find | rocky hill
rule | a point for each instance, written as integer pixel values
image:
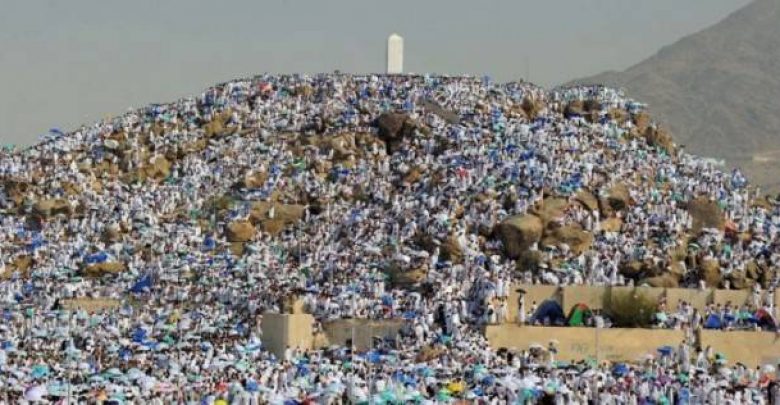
(717, 90)
(335, 179)
(423, 198)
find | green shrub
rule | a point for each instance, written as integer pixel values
(630, 309)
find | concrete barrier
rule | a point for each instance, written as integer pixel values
(287, 330)
(361, 331)
(533, 293)
(699, 299)
(735, 297)
(593, 297)
(575, 344)
(750, 348)
(90, 304)
(654, 294)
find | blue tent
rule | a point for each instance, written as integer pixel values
(139, 335)
(97, 258)
(713, 322)
(665, 350)
(209, 243)
(144, 283)
(620, 369)
(551, 311)
(373, 357)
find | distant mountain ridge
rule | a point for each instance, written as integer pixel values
(718, 90)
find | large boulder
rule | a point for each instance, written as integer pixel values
(706, 214)
(342, 146)
(52, 207)
(255, 179)
(304, 91)
(530, 260)
(738, 280)
(21, 264)
(273, 217)
(393, 128)
(532, 108)
(239, 231)
(588, 109)
(451, 250)
(414, 175)
(632, 269)
(16, 190)
(518, 233)
(677, 269)
(659, 137)
(574, 108)
(70, 188)
(587, 199)
(551, 209)
(618, 115)
(401, 278)
(613, 224)
(322, 167)
(641, 121)
(102, 269)
(754, 271)
(112, 233)
(709, 271)
(429, 353)
(762, 202)
(618, 197)
(218, 126)
(159, 168)
(662, 281)
(574, 237)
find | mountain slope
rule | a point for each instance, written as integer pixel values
(718, 90)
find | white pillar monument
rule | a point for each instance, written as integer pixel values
(395, 54)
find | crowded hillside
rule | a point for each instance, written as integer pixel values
(417, 197)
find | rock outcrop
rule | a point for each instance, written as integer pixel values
(518, 233)
(239, 231)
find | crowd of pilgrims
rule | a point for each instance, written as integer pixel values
(188, 324)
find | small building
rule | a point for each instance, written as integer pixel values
(395, 54)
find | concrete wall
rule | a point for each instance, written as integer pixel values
(750, 348)
(736, 297)
(576, 344)
(533, 293)
(282, 330)
(594, 296)
(590, 296)
(361, 330)
(655, 294)
(697, 298)
(90, 304)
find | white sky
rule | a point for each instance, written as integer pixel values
(63, 63)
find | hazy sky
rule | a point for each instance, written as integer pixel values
(63, 63)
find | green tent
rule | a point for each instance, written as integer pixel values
(579, 315)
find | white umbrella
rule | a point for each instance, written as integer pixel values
(135, 374)
(529, 382)
(111, 143)
(509, 382)
(35, 393)
(146, 383)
